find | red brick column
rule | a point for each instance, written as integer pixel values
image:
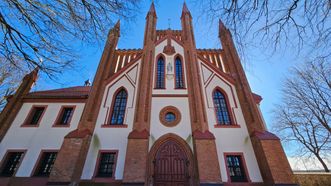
(203, 140)
(70, 160)
(15, 103)
(137, 147)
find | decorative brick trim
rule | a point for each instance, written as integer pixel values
(120, 72)
(79, 133)
(59, 115)
(170, 109)
(218, 71)
(139, 134)
(197, 134)
(30, 115)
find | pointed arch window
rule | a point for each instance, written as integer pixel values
(160, 73)
(118, 108)
(221, 108)
(179, 73)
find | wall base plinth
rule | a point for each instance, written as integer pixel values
(135, 161)
(274, 166)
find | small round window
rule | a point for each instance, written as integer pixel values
(170, 116)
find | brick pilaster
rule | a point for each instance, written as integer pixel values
(137, 147)
(203, 139)
(70, 160)
(15, 103)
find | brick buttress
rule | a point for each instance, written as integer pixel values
(203, 140)
(272, 161)
(137, 147)
(70, 160)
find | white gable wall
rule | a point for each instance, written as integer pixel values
(183, 128)
(113, 138)
(229, 140)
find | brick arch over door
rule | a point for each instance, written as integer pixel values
(178, 142)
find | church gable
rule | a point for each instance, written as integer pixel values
(169, 66)
(152, 115)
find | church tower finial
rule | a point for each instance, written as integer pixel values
(115, 31)
(151, 10)
(185, 10)
(150, 28)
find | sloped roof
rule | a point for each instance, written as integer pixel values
(70, 92)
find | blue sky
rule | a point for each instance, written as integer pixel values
(265, 73)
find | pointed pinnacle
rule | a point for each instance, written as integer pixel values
(221, 24)
(152, 7)
(117, 25)
(151, 10)
(115, 29)
(185, 9)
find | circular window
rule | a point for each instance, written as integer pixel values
(170, 116)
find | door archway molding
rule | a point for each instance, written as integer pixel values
(184, 146)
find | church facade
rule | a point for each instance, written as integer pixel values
(167, 114)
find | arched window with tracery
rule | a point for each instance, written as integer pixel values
(179, 73)
(160, 73)
(118, 107)
(221, 108)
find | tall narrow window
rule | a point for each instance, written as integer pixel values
(236, 169)
(221, 108)
(45, 164)
(119, 106)
(179, 74)
(107, 163)
(160, 73)
(11, 163)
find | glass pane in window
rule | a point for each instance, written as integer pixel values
(11, 163)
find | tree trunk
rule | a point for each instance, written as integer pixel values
(322, 162)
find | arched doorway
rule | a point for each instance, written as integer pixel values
(171, 163)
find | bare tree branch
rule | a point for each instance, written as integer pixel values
(304, 115)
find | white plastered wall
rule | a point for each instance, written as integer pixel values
(228, 140)
(35, 139)
(183, 128)
(170, 76)
(113, 138)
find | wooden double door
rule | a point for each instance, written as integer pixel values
(171, 165)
